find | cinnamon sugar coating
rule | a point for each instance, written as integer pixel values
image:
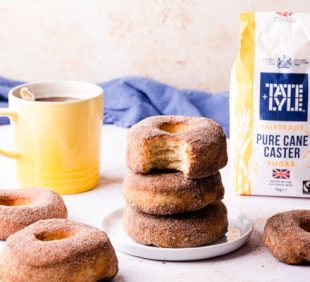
(58, 250)
(195, 146)
(185, 230)
(287, 236)
(170, 193)
(22, 207)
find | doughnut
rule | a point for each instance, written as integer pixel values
(170, 193)
(287, 236)
(183, 230)
(58, 250)
(195, 146)
(22, 207)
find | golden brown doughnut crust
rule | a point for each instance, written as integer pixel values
(58, 250)
(191, 229)
(170, 193)
(22, 207)
(194, 145)
(287, 236)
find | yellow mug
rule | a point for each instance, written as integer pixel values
(58, 135)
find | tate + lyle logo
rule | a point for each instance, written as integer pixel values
(284, 96)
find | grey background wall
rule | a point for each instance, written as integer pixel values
(187, 43)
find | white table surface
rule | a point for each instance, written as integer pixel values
(252, 262)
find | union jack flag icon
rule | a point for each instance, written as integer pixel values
(281, 173)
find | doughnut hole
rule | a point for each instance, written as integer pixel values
(10, 201)
(174, 127)
(53, 236)
(168, 154)
(305, 226)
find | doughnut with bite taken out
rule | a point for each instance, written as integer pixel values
(195, 146)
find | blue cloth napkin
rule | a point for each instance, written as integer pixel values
(128, 100)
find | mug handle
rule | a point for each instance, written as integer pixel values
(13, 115)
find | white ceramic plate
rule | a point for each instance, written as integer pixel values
(239, 230)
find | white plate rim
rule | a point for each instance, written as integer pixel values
(230, 246)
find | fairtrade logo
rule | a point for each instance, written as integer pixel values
(284, 96)
(306, 187)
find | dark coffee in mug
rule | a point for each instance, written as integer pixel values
(56, 99)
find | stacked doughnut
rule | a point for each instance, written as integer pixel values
(173, 187)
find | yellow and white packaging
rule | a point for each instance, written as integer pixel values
(269, 106)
